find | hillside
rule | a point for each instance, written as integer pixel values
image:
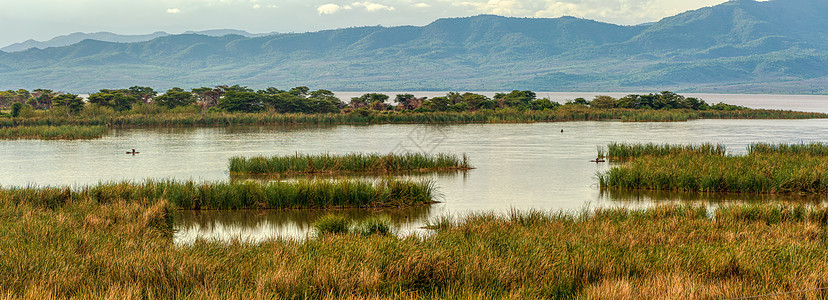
(778, 46)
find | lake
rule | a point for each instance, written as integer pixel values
(518, 166)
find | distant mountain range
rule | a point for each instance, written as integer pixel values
(741, 46)
(77, 37)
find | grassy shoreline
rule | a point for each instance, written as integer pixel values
(354, 163)
(123, 249)
(482, 116)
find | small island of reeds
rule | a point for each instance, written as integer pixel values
(765, 169)
(624, 151)
(45, 132)
(301, 194)
(370, 163)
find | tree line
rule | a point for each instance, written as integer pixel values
(301, 99)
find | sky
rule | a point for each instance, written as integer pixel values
(44, 19)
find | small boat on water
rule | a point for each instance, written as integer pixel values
(133, 152)
(598, 160)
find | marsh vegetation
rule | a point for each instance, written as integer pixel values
(121, 248)
(765, 169)
(189, 195)
(348, 163)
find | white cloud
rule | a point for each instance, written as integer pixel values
(173, 10)
(330, 8)
(422, 5)
(370, 6)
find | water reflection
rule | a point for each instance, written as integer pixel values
(259, 225)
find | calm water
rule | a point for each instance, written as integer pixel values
(518, 166)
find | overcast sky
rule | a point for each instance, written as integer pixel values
(45, 19)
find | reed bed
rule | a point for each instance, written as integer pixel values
(816, 149)
(122, 249)
(303, 194)
(693, 172)
(628, 151)
(483, 116)
(46, 132)
(348, 163)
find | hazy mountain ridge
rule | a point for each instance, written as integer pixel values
(738, 46)
(77, 37)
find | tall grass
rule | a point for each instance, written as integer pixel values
(122, 249)
(629, 151)
(756, 173)
(46, 132)
(240, 195)
(348, 163)
(818, 149)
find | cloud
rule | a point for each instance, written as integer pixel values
(173, 10)
(370, 6)
(422, 5)
(330, 8)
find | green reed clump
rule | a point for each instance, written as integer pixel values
(240, 195)
(818, 149)
(628, 151)
(757, 173)
(381, 226)
(338, 224)
(348, 163)
(332, 224)
(53, 132)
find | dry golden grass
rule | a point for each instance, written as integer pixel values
(123, 249)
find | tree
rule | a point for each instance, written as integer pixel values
(175, 97)
(300, 91)
(119, 100)
(15, 109)
(142, 93)
(207, 97)
(366, 99)
(437, 104)
(42, 99)
(477, 101)
(408, 102)
(243, 101)
(71, 103)
(516, 99)
(235, 88)
(542, 104)
(602, 102)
